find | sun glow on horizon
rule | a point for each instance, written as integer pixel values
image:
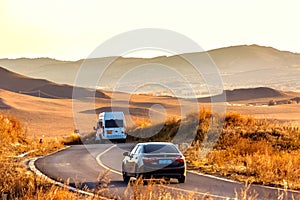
(70, 30)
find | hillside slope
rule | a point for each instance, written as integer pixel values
(248, 94)
(40, 117)
(39, 87)
(253, 93)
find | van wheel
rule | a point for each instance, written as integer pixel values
(100, 141)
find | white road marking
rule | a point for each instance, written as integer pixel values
(32, 167)
(50, 180)
(232, 181)
(104, 166)
(211, 176)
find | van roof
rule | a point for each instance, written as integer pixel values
(112, 115)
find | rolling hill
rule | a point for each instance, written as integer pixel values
(17, 83)
(250, 94)
(245, 66)
(39, 87)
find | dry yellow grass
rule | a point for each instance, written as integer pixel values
(156, 190)
(16, 182)
(141, 190)
(255, 151)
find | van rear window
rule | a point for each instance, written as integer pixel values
(114, 123)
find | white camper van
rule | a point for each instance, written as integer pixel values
(111, 126)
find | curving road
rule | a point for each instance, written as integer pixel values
(80, 166)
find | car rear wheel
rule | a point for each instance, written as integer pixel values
(138, 173)
(181, 179)
(125, 177)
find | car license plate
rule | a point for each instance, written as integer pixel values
(165, 162)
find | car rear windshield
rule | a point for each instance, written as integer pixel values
(160, 148)
(113, 123)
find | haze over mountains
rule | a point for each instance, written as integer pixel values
(240, 67)
(53, 114)
(21, 84)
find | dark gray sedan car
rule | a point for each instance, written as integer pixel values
(154, 160)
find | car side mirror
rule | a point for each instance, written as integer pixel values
(126, 153)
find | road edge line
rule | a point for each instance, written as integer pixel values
(233, 181)
(212, 176)
(32, 167)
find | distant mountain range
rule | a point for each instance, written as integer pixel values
(17, 83)
(239, 66)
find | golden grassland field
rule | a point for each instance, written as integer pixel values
(250, 150)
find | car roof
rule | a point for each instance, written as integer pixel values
(146, 143)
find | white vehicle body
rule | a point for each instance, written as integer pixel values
(111, 126)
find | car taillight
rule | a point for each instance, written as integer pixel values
(147, 160)
(179, 159)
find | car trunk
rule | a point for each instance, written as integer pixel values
(162, 161)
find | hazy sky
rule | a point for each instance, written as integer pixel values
(71, 30)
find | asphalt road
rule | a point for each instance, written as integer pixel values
(81, 165)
